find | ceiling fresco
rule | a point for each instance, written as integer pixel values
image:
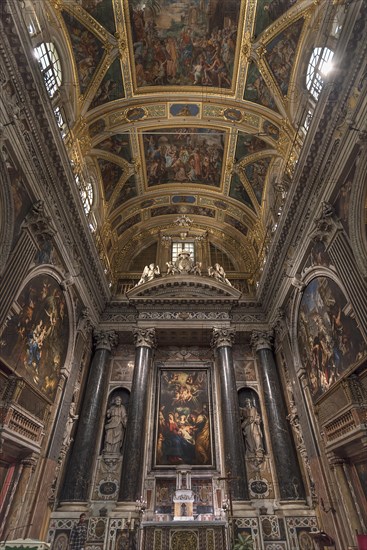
(184, 43)
(183, 107)
(185, 155)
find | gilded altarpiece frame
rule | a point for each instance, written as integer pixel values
(183, 434)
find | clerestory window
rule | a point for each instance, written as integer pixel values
(181, 246)
(49, 62)
(318, 68)
(86, 193)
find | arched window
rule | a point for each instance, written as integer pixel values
(86, 193)
(48, 59)
(318, 68)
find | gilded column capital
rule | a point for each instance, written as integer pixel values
(144, 337)
(222, 337)
(105, 339)
(262, 340)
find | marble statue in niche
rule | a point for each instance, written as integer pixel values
(251, 428)
(115, 427)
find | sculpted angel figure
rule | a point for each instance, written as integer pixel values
(218, 273)
(149, 273)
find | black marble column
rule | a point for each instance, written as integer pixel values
(284, 453)
(234, 450)
(80, 465)
(133, 456)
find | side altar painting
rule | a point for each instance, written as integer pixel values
(35, 341)
(329, 340)
(183, 434)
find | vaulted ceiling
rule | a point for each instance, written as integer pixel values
(184, 107)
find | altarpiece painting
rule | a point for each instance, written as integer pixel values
(184, 430)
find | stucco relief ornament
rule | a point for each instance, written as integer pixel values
(222, 337)
(183, 265)
(105, 339)
(39, 222)
(326, 224)
(184, 221)
(262, 340)
(85, 324)
(144, 337)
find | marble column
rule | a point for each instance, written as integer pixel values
(234, 450)
(133, 455)
(80, 465)
(284, 453)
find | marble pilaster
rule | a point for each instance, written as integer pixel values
(346, 498)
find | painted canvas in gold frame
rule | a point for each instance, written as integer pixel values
(183, 434)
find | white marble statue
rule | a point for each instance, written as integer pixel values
(149, 273)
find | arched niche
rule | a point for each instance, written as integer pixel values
(124, 395)
(246, 394)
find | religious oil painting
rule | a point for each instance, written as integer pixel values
(188, 43)
(184, 427)
(35, 341)
(185, 155)
(329, 340)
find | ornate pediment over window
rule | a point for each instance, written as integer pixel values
(184, 289)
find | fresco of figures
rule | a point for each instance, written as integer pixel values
(87, 49)
(35, 341)
(188, 43)
(189, 155)
(329, 340)
(183, 430)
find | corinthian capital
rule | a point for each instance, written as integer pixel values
(144, 337)
(105, 339)
(262, 340)
(222, 337)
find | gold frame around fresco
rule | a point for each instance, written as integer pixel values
(169, 128)
(167, 89)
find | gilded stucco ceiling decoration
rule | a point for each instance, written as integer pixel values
(185, 107)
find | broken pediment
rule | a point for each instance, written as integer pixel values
(185, 289)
